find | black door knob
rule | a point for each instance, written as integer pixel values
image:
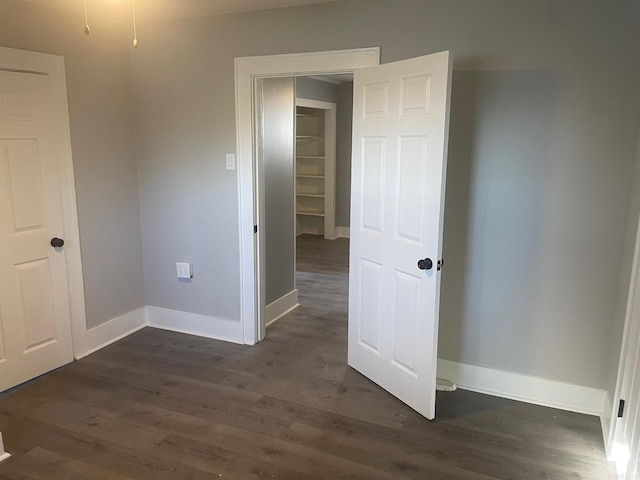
(57, 242)
(425, 264)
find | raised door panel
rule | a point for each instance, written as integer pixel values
(24, 184)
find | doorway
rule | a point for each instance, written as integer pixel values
(303, 178)
(248, 70)
(296, 165)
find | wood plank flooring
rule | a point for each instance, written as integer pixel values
(162, 405)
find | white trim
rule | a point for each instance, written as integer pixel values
(176, 321)
(606, 422)
(330, 126)
(626, 366)
(280, 307)
(343, 232)
(53, 66)
(194, 324)
(3, 455)
(524, 388)
(112, 331)
(247, 69)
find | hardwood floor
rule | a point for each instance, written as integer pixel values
(162, 405)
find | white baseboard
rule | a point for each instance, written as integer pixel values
(112, 331)
(194, 324)
(278, 309)
(524, 388)
(3, 455)
(606, 422)
(343, 232)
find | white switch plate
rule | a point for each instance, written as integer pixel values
(184, 270)
(231, 161)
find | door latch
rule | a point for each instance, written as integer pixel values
(440, 264)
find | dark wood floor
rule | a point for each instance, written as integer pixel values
(161, 405)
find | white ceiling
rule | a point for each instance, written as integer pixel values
(159, 10)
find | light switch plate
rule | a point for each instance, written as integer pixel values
(231, 161)
(184, 270)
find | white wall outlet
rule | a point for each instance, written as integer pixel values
(185, 270)
(231, 161)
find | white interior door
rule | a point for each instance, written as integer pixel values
(35, 327)
(400, 130)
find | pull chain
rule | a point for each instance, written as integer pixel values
(87, 30)
(135, 32)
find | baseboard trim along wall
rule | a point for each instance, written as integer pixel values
(3, 455)
(278, 309)
(343, 232)
(515, 386)
(112, 331)
(524, 388)
(194, 324)
(606, 422)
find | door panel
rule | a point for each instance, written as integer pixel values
(399, 164)
(35, 327)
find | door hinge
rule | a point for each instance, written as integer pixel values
(621, 408)
(255, 229)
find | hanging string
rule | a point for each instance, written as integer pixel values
(87, 30)
(135, 32)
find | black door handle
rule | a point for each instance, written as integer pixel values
(57, 242)
(425, 264)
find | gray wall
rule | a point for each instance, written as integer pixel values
(543, 137)
(275, 152)
(343, 154)
(102, 141)
(313, 89)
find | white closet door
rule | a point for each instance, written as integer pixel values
(35, 327)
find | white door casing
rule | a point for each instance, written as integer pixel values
(623, 438)
(40, 287)
(247, 70)
(400, 132)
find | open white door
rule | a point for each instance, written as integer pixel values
(35, 326)
(400, 131)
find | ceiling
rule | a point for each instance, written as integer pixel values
(160, 10)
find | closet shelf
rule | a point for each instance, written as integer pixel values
(302, 139)
(310, 213)
(312, 195)
(309, 176)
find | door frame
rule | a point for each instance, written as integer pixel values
(627, 372)
(612, 426)
(23, 61)
(247, 69)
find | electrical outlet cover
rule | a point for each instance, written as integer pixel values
(184, 270)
